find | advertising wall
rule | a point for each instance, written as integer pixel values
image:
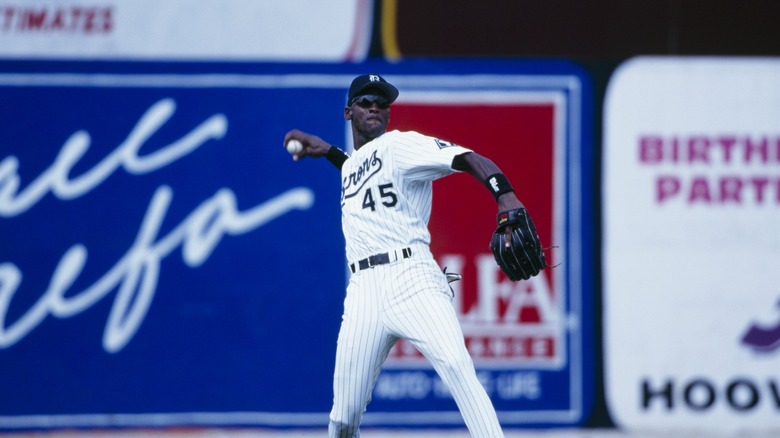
(312, 30)
(154, 233)
(691, 246)
(163, 261)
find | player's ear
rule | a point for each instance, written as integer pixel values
(347, 113)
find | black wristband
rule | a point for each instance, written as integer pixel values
(336, 156)
(498, 185)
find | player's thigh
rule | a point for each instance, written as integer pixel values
(423, 313)
(362, 340)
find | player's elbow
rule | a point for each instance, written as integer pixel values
(459, 162)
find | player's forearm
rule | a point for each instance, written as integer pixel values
(489, 174)
(314, 146)
(336, 156)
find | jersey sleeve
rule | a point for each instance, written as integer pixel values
(421, 157)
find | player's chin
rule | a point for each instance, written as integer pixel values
(374, 129)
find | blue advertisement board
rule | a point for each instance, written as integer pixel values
(164, 261)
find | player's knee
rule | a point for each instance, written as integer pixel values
(455, 360)
(455, 368)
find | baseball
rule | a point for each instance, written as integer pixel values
(294, 146)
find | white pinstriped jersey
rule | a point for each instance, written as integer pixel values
(386, 189)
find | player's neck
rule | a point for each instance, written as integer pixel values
(358, 139)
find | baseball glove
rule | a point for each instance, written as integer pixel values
(524, 257)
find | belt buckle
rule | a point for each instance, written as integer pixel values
(381, 259)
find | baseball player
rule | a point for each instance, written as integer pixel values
(396, 289)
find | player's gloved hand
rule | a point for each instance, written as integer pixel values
(515, 245)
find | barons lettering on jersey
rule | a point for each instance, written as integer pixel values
(352, 183)
(444, 144)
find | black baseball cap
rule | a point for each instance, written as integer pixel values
(363, 83)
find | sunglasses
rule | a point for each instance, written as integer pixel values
(367, 100)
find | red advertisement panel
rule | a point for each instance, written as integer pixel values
(505, 323)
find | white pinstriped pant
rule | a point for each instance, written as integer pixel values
(410, 300)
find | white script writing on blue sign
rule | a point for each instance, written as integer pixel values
(135, 275)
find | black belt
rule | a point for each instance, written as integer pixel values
(380, 259)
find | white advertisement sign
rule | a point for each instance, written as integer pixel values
(691, 250)
(291, 30)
